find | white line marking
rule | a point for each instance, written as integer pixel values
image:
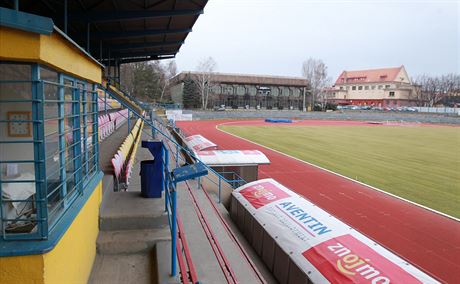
(337, 174)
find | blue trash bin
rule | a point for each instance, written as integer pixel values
(152, 171)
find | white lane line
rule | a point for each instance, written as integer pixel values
(342, 176)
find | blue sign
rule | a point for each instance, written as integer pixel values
(189, 172)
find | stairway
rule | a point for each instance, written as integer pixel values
(133, 230)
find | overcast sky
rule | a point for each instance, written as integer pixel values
(274, 37)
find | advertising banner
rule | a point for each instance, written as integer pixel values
(198, 143)
(323, 247)
(233, 157)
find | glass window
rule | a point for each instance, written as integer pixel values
(353, 88)
(392, 94)
(17, 166)
(70, 128)
(366, 87)
(360, 88)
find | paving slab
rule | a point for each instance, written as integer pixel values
(122, 269)
(129, 211)
(131, 241)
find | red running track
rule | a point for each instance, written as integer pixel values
(428, 240)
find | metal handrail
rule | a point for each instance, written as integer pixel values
(157, 126)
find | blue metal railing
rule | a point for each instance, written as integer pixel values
(52, 186)
(157, 127)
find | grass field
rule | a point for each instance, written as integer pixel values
(421, 164)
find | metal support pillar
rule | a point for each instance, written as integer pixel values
(173, 231)
(153, 128)
(87, 36)
(100, 50)
(16, 5)
(177, 155)
(220, 188)
(65, 16)
(39, 152)
(105, 101)
(119, 75)
(129, 121)
(109, 73)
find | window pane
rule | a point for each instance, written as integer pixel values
(48, 75)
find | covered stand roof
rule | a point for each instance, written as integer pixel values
(124, 31)
(233, 157)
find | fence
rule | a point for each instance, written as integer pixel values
(444, 110)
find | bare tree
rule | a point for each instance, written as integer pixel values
(430, 90)
(315, 72)
(169, 71)
(322, 94)
(419, 94)
(204, 79)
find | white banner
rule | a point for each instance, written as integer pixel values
(319, 243)
(232, 157)
(198, 143)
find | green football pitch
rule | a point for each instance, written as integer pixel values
(418, 163)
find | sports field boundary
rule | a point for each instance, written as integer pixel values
(337, 174)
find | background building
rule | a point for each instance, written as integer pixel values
(250, 91)
(386, 87)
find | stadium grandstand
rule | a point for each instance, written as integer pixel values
(72, 142)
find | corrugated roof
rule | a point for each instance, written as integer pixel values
(130, 31)
(369, 76)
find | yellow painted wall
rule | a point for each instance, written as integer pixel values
(18, 45)
(72, 258)
(21, 269)
(53, 50)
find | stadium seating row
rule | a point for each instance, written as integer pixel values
(111, 103)
(123, 160)
(108, 123)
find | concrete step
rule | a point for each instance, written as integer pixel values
(162, 264)
(130, 211)
(123, 268)
(130, 241)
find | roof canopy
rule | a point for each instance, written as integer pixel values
(125, 31)
(232, 157)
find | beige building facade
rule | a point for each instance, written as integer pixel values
(385, 87)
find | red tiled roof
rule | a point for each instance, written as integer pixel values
(367, 76)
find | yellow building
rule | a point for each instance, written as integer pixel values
(385, 87)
